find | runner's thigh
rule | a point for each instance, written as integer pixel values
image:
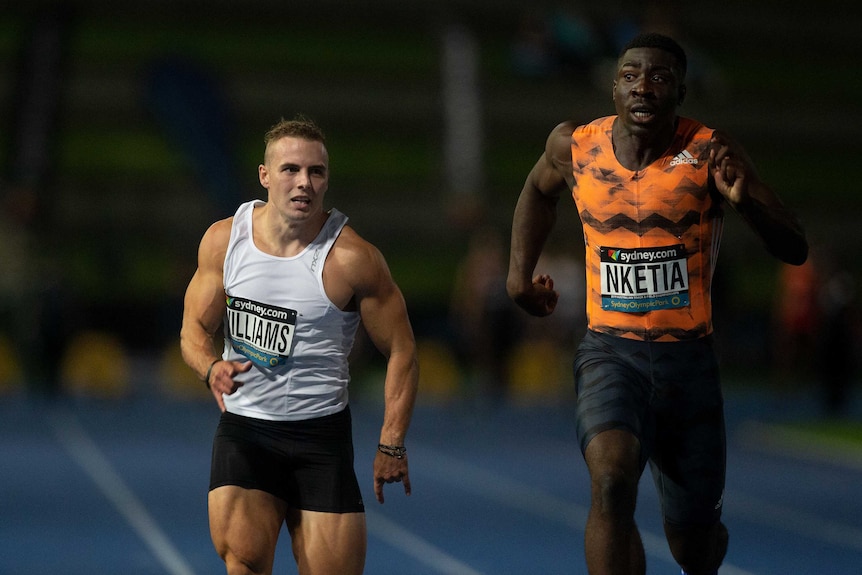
(328, 543)
(244, 525)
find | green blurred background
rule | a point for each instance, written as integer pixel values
(128, 127)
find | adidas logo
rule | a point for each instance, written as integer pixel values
(684, 157)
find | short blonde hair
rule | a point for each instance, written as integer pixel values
(299, 127)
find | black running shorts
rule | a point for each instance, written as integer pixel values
(308, 464)
(667, 394)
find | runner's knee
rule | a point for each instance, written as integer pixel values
(245, 565)
(612, 458)
(698, 549)
(247, 557)
(614, 492)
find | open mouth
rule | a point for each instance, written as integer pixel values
(642, 113)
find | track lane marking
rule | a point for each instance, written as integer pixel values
(84, 451)
(523, 497)
(397, 536)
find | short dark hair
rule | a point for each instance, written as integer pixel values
(662, 42)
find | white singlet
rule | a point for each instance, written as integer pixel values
(279, 317)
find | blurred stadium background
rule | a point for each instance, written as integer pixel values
(129, 127)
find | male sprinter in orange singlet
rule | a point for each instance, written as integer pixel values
(650, 188)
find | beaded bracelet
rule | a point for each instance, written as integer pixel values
(396, 451)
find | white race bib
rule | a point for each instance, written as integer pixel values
(263, 333)
(639, 280)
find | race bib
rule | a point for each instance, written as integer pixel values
(262, 333)
(644, 279)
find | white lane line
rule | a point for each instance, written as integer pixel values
(413, 545)
(799, 445)
(523, 497)
(807, 525)
(87, 455)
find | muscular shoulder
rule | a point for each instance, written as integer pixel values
(357, 263)
(552, 174)
(214, 243)
(559, 141)
(355, 253)
(690, 127)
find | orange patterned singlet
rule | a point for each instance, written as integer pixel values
(651, 236)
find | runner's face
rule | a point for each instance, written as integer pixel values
(296, 174)
(647, 89)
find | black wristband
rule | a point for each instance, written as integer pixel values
(209, 372)
(396, 451)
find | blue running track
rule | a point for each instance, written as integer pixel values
(91, 487)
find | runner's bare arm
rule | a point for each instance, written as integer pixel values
(535, 216)
(384, 316)
(203, 312)
(735, 177)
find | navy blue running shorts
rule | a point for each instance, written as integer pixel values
(668, 394)
(308, 464)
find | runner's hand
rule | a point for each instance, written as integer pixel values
(388, 469)
(222, 379)
(541, 298)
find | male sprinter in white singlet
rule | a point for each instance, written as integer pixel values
(291, 283)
